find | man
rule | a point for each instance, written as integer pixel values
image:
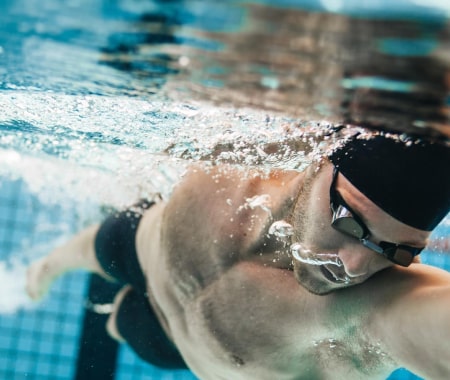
(225, 277)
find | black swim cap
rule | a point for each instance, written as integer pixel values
(410, 181)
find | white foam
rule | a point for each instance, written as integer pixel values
(12, 290)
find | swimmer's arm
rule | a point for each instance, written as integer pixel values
(77, 253)
(415, 326)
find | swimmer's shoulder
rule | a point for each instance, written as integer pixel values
(416, 276)
(225, 185)
(223, 211)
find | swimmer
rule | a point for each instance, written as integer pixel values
(286, 275)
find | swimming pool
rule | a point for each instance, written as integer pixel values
(96, 93)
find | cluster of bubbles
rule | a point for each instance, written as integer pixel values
(67, 141)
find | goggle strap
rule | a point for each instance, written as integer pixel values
(374, 247)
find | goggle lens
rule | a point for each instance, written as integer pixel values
(399, 254)
(349, 226)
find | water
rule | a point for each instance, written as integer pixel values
(281, 229)
(119, 88)
(311, 257)
(106, 101)
(115, 89)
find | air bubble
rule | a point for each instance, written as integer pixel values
(281, 228)
(308, 256)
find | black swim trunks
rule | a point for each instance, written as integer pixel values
(136, 322)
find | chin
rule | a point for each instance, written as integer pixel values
(318, 291)
(311, 279)
(311, 283)
(322, 288)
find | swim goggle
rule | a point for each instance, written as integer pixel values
(346, 221)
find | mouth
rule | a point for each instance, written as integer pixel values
(333, 277)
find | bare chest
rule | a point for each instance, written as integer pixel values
(248, 354)
(239, 328)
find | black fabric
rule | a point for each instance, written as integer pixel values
(410, 181)
(97, 351)
(137, 323)
(115, 246)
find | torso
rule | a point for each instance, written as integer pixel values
(227, 297)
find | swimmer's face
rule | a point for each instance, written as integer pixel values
(348, 262)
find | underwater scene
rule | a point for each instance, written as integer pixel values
(105, 102)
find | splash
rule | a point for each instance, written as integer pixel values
(12, 294)
(13, 269)
(263, 201)
(98, 126)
